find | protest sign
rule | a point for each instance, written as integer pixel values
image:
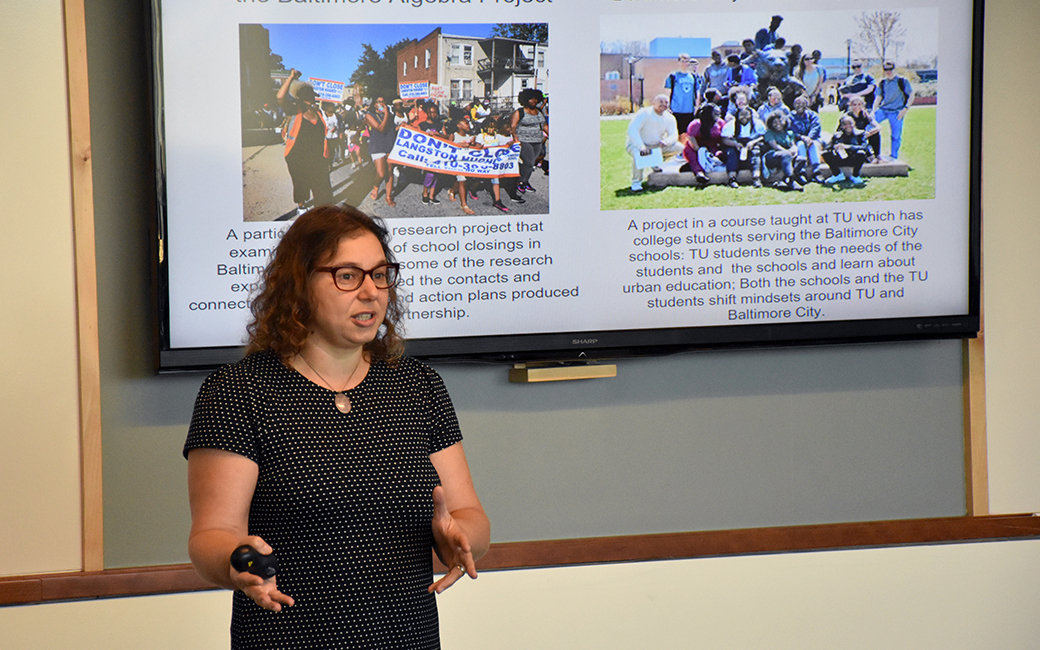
(417, 149)
(417, 90)
(327, 91)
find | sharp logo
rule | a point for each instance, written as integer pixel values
(584, 341)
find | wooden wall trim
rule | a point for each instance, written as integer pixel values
(976, 464)
(86, 286)
(21, 590)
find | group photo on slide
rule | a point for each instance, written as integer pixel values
(760, 109)
(331, 113)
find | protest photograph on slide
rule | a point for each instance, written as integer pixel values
(760, 109)
(399, 120)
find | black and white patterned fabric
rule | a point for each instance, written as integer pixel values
(344, 499)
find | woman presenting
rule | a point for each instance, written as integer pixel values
(328, 448)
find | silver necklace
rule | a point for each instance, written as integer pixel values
(341, 399)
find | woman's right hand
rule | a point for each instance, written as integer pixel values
(264, 593)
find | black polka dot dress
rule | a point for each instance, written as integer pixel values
(344, 499)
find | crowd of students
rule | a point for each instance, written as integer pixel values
(367, 133)
(759, 112)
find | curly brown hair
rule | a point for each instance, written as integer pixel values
(283, 309)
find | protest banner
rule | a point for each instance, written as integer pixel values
(326, 90)
(417, 90)
(417, 149)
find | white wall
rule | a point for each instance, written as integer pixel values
(39, 403)
(1011, 261)
(954, 596)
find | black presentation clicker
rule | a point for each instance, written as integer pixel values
(247, 559)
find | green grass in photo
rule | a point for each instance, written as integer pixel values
(918, 150)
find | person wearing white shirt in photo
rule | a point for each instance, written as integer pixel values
(653, 127)
(331, 133)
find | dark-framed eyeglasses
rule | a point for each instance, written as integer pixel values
(350, 278)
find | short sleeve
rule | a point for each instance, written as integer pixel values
(445, 430)
(224, 415)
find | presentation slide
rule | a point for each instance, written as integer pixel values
(674, 164)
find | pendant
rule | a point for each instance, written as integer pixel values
(342, 403)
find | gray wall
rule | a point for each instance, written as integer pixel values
(700, 441)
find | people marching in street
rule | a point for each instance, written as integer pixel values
(351, 122)
(531, 130)
(382, 133)
(490, 137)
(463, 137)
(306, 149)
(331, 133)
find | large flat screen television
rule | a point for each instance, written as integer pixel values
(853, 217)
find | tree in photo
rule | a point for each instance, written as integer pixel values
(880, 34)
(377, 73)
(633, 48)
(537, 32)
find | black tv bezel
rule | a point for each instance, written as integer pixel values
(580, 346)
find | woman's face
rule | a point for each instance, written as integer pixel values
(856, 105)
(349, 319)
(847, 125)
(775, 98)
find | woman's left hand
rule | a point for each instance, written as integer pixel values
(451, 544)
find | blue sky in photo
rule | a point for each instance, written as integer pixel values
(331, 52)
